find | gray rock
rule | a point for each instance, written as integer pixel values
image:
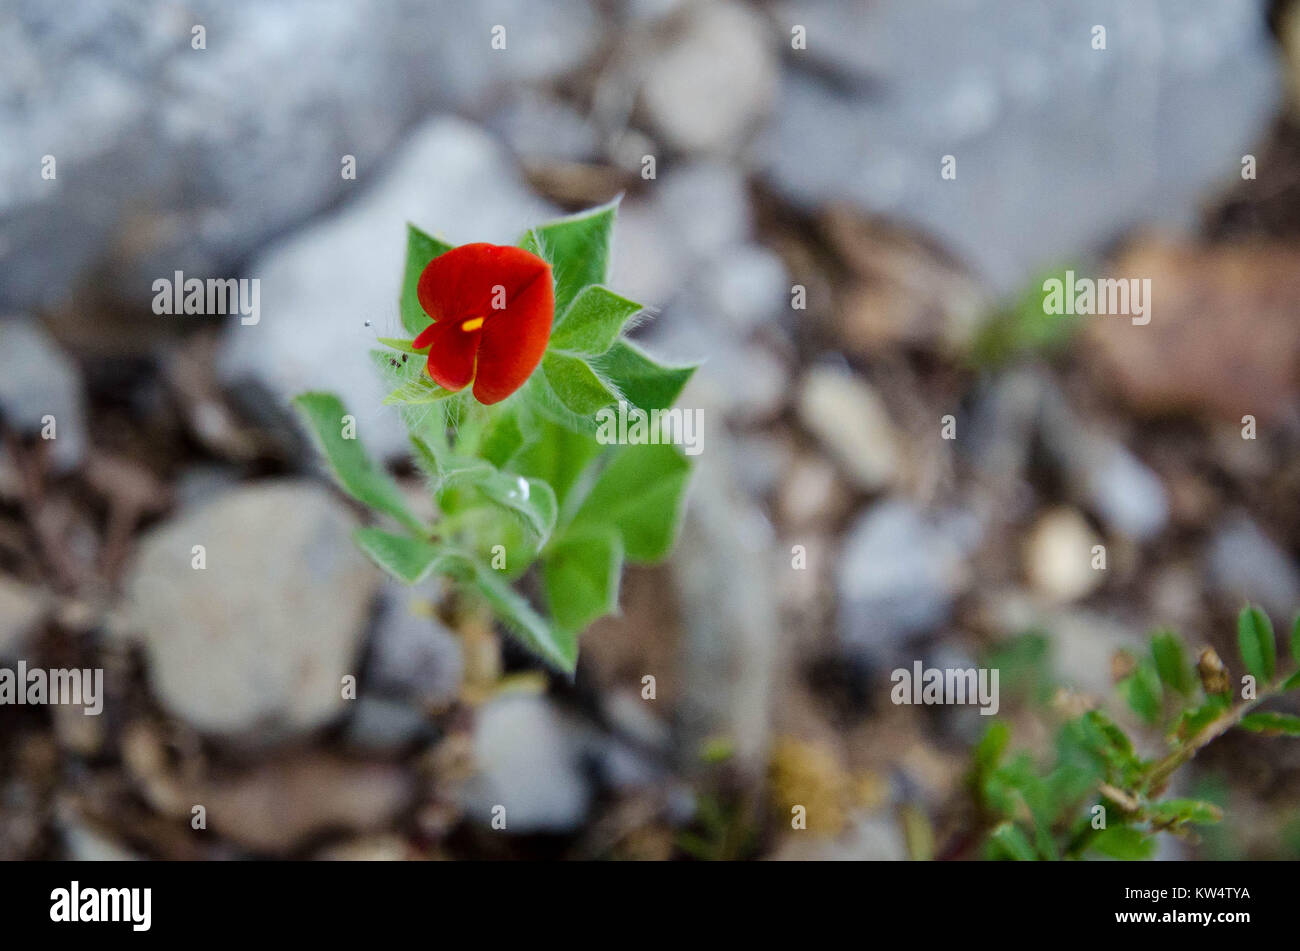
(260, 639)
(899, 572)
(1125, 494)
(712, 85)
(851, 421)
(706, 205)
(1243, 563)
(320, 286)
(725, 572)
(412, 655)
(171, 157)
(540, 128)
(1101, 472)
(384, 726)
(38, 379)
(1032, 114)
(746, 287)
(528, 759)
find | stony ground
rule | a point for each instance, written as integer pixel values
(774, 168)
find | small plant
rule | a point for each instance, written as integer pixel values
(512, 355)
(1100, 796)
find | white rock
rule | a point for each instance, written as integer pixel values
(1058, 556)
(259, 639)
(851, 421)
(711, 86)
(528, 761)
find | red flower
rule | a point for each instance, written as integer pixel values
(492, 308)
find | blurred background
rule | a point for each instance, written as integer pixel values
(798, 235)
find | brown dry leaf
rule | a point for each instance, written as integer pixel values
(1222, 337)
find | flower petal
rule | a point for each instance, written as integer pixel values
(467, 281)
(514, 340)
(453, 353)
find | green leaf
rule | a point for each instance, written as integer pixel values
(409, 560)
(532, 500)
(640, 493)
(421, 248)
(1194, 721)
(1295, 638)
(417, 392)
(582, 577)
(503, 437)
(1013, 843)
(1292, 682)
(405, 346)
(1177, 811)
(577, 248)
(645, 382)
(557, 455)
(1255, 640)
(556, 646)
(1124, 842)
(991, 747)
(1171, 662)
(576, 385)
(1141, 690)
(593, 322)
(411, 385)
(358, 475)
(1274, 723)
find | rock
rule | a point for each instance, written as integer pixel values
(898, 574)
(648, 263)
(1058, 556)
(275, 807)
(385, 726)
(1098, 470)
(258, 641)
(1127, 496)
(1244, 564)
(709, 89)
(21, 608)
(813, 495)
(412, 654)
(528, 759)
(140, 122)
(539, 128)
(747, 287)
(851, 421)
(1221, 339)
(706, 206)
(320, 286)
(866, 117)
(725, 573)
(37, 380)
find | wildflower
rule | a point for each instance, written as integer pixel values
(492, 308)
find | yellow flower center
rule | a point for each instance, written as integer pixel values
(472, 324)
